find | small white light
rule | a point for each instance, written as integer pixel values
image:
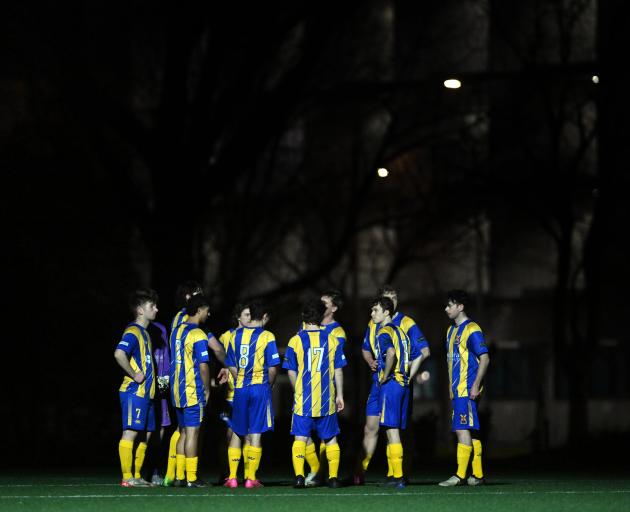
(382, 172)
(595, 79)
(452, 83)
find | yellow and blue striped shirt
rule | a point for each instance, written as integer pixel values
(314, 355)
(189, 349)
(136, 343)
(464, 344)
(180, 317)
(336, 330)
(224, 339)
(252, 351)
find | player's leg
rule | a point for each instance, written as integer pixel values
(171, 465)
(461, 423)
(298, 450)
(395, 453)
(328, 430)
(313, 461)
(192, 459)
(370, 432)
(260, 418)
(239, 431)
(143, 440)
(180, 450)
(393, 412)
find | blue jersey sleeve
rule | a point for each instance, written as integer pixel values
(477, 343)
(128, 344)
(200, 349)
(415, 350)
(415, 335)
(366, 341)
(230, 357)
(272, 358)
(340, 358)
(290, 360)
(384, 342)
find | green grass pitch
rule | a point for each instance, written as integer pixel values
(507, 491)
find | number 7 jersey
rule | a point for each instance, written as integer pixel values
(252, 351)
(314, 355)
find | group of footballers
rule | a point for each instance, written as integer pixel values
(393, 348)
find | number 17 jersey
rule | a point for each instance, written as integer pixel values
(314, 355)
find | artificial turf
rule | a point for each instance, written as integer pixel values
(506, 491)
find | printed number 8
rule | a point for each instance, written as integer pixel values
(244, 359)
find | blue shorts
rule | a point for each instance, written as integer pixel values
(394, 405)
(326, 427)
(138, 413)
(190, 416)
(252, 412)
(464, 414)
(373, 407)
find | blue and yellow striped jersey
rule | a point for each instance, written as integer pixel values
(224, 339)
(464, 344)
(252, 351)
(408, 326)
(314, 355)
(392, 336)
(136, 343)
(178, 319)
(189, 349)
(336, 330)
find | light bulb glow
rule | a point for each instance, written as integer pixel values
(382, 172)
(452, 83)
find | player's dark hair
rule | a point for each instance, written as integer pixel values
(140, 296)
(335, 296)
(386, 304)
(313, 311)
(195, 303)
(238, 309)
(187, 288)
(386, 288)
(257, 309)
(458, 297)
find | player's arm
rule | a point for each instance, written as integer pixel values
(339, 385)
(369, 359)
(123, 361)
(484, 361)
(390, 358)
(217, 349)
(204, 372)
(292, 377)
(273, 372)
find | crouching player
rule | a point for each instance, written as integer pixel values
(314, 360)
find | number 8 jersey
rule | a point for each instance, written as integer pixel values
(252, 350)
(314, 355)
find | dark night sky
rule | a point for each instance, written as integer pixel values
(135, 135)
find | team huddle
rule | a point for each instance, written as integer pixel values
(393, 348)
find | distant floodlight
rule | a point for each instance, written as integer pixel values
(595, 79)
(452, 83)
(382, 172)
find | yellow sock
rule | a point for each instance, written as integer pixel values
(234, 458)
(463, 456)
(333, 454)
(396, 456)
(477, 470)
(366, 462)
(191, 468)
(322, 451)
(390, 470)
(246, 448)
(299, 453)
(125, 452)
(180, 466)
(255, 453)
(311, 457)
(141, 451)
(172, 456)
